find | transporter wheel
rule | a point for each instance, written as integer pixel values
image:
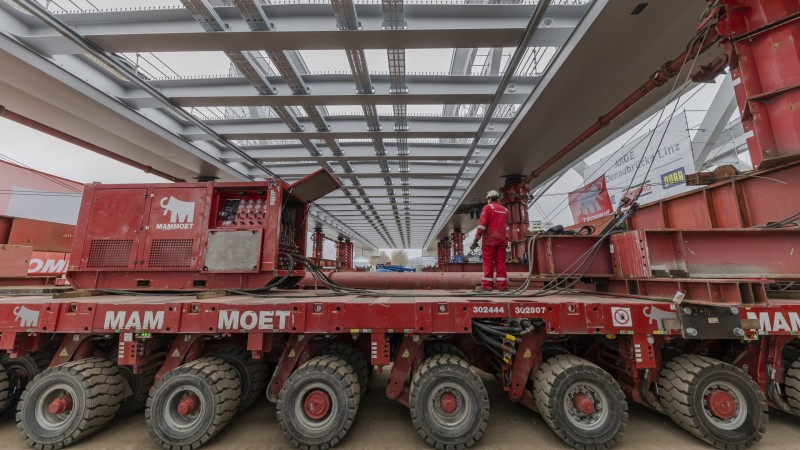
(254, 374)
(318, 403)
(192, 403)
(433, 348)
(448, 402)
(4, 390)
(355, 358)
(714, 401)
(581, 402)
(21, 370)
(791, 360)
(66, 403)
(140, 384)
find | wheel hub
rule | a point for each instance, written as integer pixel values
(448, 403)
(317, 404)
(60, 405)
(188, 405)
(721, 404)
(583, 403)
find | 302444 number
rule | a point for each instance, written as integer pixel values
(488, 309)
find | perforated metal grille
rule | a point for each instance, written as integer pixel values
(171, 253)
(109, 253)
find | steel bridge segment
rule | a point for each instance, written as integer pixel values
(392, 141)
(307, 27)
(527, 143)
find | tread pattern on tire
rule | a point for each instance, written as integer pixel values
(4, 387)
(102, 384)
(257, 373)
(440, 363)
(677, 388)
(37, 362)
(355, 357)
(224, 384)
(341, 370)
(545, 384)
(791, 360)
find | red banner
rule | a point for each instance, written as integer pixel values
(591, 201)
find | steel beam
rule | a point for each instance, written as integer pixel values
(300, 27)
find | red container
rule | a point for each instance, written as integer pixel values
(192, 235)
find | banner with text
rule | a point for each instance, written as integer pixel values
(591, 201)
(667, 177)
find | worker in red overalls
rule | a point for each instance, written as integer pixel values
(493, 228)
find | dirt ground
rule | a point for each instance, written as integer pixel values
(383, 424)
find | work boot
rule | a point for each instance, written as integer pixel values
(503, 289)
(482, 289)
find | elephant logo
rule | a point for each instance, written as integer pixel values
(180, 211)
(658, 315)
(26, 317)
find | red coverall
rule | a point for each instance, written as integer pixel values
(493, 228)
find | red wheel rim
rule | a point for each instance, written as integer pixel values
(188, 405)
(721, 404)
(448, 402)
(317, 404)
(60, 405)
(583, 403)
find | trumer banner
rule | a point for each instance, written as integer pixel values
(590, 202)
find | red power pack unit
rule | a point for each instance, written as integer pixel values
(213, 235)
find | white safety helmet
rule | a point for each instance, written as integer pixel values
(493, 194)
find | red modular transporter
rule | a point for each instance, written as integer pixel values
(193, 235)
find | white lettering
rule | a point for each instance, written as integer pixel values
(776, 321)
(249, 320)
(265, 319)
(228, 320)
(36, 265)
(114, 321)
(174, 226)
(153, 320)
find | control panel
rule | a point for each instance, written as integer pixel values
(239, 209)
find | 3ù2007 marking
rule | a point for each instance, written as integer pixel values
(526, 310)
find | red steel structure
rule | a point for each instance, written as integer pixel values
(688, 311)
(516, 198)
(457, 237)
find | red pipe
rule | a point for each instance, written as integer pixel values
(669, 70)
(30, 123)
(409, 280)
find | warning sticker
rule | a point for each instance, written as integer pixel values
(621, 317)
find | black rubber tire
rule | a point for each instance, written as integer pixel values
(333, 375)
(97, 394)
(4, 390)
(215, 383)
(21, 370)
(450, 372)
(434, 348)
(791, 361)
(560, 376)
(355, 358)
(254, 374)
(682, 385)
(140, 383)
